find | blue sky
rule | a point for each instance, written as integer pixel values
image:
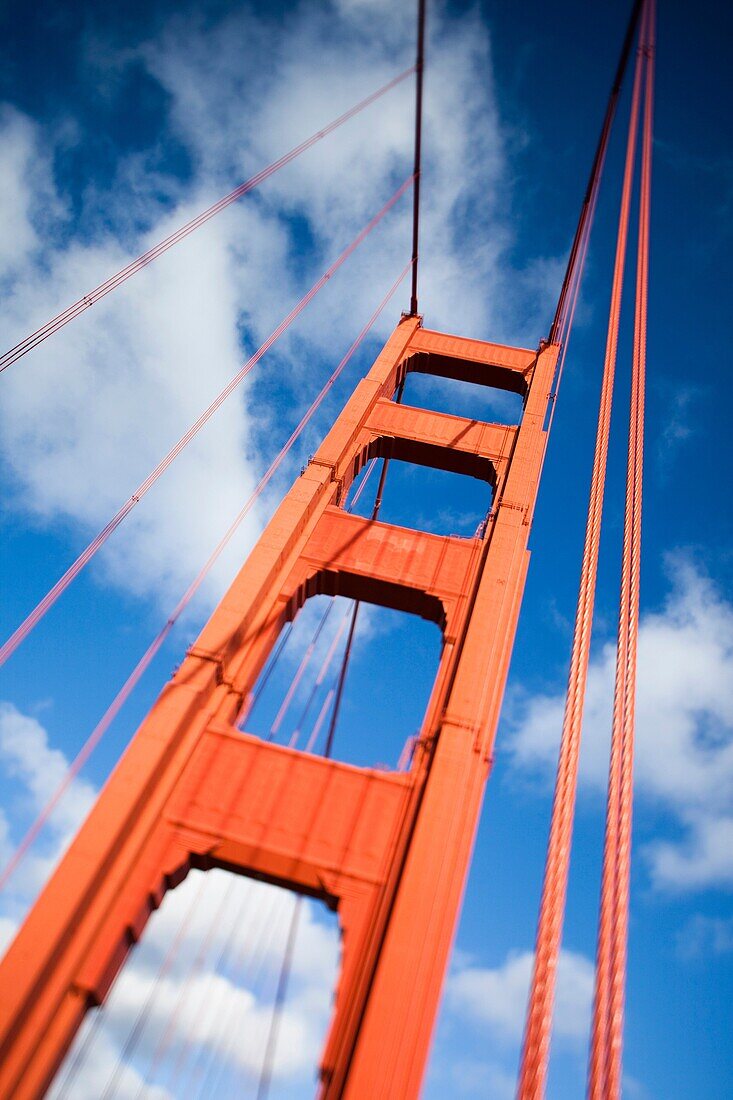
(118, 122)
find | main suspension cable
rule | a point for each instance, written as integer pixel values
(145, 661)
(91, 297)
(535, 1051)
(86, 556)
(604, 1076)
(595, 174)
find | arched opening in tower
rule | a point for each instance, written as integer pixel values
(192, 1012)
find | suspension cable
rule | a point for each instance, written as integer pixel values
(417, 171)
(252, 696)
(595, 173)
(73, 571)
(263, 1087)
(144, 1013)
(535, 1051)
(604, 1077)
(91, 297)
(145, 661)
(295, 682)
(199, 961)
(256, 965)
(242, 926)
(320, 719)
(322, 673)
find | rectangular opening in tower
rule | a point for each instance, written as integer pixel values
(423, 499)
(468, 399)
(391, 667)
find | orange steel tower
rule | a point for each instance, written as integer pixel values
(389, 851)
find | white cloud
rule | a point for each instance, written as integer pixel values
(29, 203)
(87, 414)
(31, 771)
(497, 997)
(684, 734)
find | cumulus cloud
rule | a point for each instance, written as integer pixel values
(497, 997)
(684, 738)
(87, 414)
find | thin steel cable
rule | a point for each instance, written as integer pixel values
(91, 297)
(245, 914)
(535, 1050)
(268, 1062)
(342, 679)
(85, 557)
(143, 1015)
(250, 951)
(300, 672)
(165, 1040)
(150, 653)
(417, 171)
(257, 965)
(605, 1065)
(79, 1057)
(595, 172)
(320, 720)
(253, 696)
(322, 673)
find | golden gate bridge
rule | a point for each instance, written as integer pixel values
(388, 850)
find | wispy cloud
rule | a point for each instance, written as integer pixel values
(496, 997)
(91, 411)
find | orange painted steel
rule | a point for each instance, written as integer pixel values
(538, 1027)
(389, 851)
(604, 1076)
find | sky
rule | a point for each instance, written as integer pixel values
(118, 122)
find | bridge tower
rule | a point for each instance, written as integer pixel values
(389, 851)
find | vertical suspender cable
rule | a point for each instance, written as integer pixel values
(535, 1051)
(604, 1075)
(419, 69)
